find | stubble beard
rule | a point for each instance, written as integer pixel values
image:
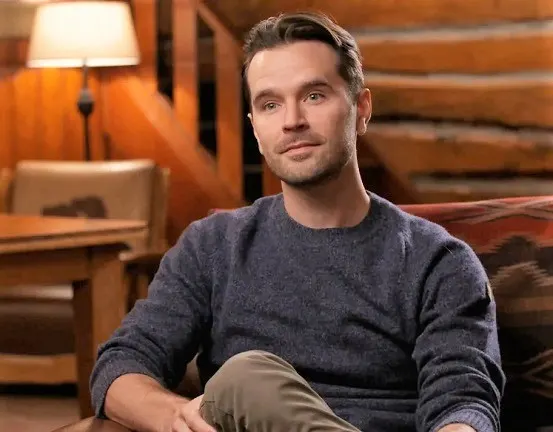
(326, 168)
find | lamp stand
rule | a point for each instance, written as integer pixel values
(86, 106)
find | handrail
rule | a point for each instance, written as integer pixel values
(218, 27)
(227, 61)
(228, 71)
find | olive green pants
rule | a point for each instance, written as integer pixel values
(256, 391)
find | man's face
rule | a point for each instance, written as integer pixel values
(303, 115)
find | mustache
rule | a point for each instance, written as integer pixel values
(294, 139)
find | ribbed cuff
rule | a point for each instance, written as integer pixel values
(104, 375)
(471, 417)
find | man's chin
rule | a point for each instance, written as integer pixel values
(306, 181)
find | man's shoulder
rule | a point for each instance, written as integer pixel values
(224, 223)
(419, 233)
(427, 244)
(222, 218)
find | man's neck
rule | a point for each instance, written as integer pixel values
(339, 202)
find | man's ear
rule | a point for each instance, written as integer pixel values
(364, 110)
(255, 133)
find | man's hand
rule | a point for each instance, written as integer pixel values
(457, 427)
(188, 418)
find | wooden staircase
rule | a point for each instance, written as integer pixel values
(462, 91)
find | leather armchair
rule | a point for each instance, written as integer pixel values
(37, 322)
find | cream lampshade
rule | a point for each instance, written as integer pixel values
(83, 34)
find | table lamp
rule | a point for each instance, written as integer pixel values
(83, 34)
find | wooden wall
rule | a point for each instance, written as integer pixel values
(462, 89)
(38, 110)
(372, 14)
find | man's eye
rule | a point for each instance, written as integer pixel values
(315, 97)
(269, 106)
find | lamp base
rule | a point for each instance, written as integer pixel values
(85, 104)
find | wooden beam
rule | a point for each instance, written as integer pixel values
(500, 48)
(489, 49)
(228, 87)
(230, 141)
(213, 20)
(409, 148)
(523, 99)
(435, 190)
(356, 14)
(145, 24)
(185, 66)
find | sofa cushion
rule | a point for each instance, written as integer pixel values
(514, 240)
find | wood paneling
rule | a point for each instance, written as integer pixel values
(515, 100)
(38, 114)
(418, 147)
(484, 50)
(352, 14)
(143, 124)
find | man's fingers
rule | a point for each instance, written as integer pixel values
(179, 425)
(197, 424)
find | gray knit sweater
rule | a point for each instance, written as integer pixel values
(390, 321)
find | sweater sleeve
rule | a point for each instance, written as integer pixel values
(457, 350)
(161, 334)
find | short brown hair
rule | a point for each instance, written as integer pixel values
(307, 26)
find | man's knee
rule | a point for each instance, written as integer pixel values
(253, 373)
(247, 388)
(240, 368)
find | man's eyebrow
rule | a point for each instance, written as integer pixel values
(316, 83)
(263, 93)
(308, 84)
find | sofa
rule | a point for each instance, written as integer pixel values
(513, 238)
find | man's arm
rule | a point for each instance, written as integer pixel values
(148, 354)
(140, 403)
(457, 350)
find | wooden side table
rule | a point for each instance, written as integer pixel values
(38, 251)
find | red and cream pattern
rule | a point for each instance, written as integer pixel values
(513, 238)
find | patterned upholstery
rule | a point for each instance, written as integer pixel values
(513, 238)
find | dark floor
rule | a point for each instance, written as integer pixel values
(37, 408)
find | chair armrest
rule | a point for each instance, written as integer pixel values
(142, 261)
(140, 270)
(92, 424)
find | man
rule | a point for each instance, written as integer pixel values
(324, 308)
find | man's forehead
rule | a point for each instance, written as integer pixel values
(292, 65)
(299, 53)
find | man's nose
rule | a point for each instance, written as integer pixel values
(294, 118)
